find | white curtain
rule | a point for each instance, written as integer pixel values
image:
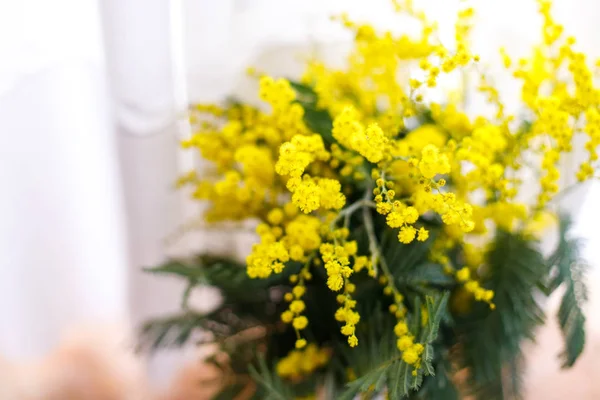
(62, 249)
(91, 101)
(88, 139)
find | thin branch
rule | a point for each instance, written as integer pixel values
(351, 209)
(373, 245)
(376, 256)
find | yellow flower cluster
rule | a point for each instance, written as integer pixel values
(592, 129)
(277, 93)
(299, 363)
(293, 315)
(336, 257)
(337, 265)
(287, 238)
(453, 177)
(398, 214)
(452, 210)
(433, 163)
(244, 151)
(472, 286)
(297, 154)
(347, 162)
(482, 150)
(308, 194)
(267, 256)
(369, 142)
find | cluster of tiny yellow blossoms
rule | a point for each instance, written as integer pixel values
(337, 264)
(347, 162)
(592, 129)
(286, 239)
(308, 193)
(299, 363)
(472, 286)
(558, 87)
(453, 177)
(430, 195)
(243, 152)
(369, 142)
(293, 315)
(398, 214)
(482, 150)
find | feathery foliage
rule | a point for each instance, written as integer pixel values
(491, 340)
(270, 384)
(487, 342)
(568, 270)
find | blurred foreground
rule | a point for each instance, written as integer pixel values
(99, 364)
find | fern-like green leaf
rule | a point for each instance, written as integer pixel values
(376, 361)
(178, 268)
(270, 383)
(572, 322)
(436, 308)
(227, 275)
(172, 331)
(441, 386)
(568, 269)
(491, 339)
(427, 360)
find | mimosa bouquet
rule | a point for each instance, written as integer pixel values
(394, 255)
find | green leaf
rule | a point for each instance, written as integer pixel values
(417, 379)
(374, 378)
(491, 339)
(404, 259)
(172, 331)
(178, 268)
(568, 269)
(436, 308)
(414, 318)
(427, 360)
(316, 119)
(319, 121)
(305, 93)
(274, 387)
(572, 324)
(402, 381)
(441, 385)
(376, 360)
(378, 363)
(228, 276)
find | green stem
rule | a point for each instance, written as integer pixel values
(186, 294)
(376, 254)
(373, 246)
(351, 209)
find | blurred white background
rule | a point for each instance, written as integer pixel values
(92, 96)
